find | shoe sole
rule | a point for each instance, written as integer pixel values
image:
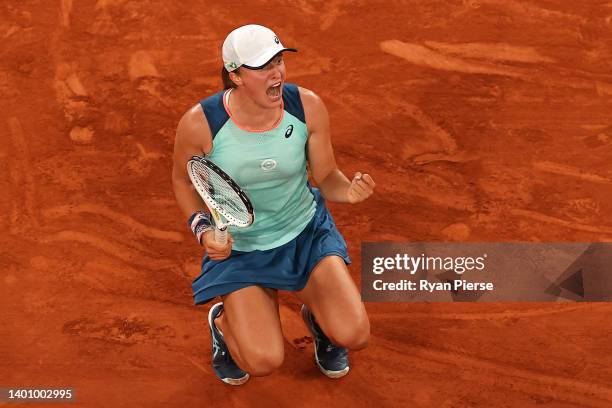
(230, 381)
(327, 373)
(234, 381)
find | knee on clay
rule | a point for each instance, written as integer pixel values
(353, 336)
(262, 361)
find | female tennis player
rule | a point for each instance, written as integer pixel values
(264, 132)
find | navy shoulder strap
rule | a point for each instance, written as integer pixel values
(293, 102)
(215, 112)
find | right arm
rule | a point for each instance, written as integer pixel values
(193, 138)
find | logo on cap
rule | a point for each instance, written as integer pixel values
(276, 40)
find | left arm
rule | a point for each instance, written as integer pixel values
(332, 183)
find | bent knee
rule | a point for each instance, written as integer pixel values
(352, 337)
(262, 362)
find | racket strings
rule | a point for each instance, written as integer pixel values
(229, 203)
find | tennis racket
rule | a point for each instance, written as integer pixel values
(228, 204)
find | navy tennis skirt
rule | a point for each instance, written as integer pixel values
(287, 267)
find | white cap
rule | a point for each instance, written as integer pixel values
(252, 46)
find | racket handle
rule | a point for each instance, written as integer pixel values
(221, 235)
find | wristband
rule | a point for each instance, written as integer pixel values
(200, 222)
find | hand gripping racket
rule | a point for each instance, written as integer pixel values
(227, 203)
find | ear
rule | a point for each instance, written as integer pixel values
(235, 78)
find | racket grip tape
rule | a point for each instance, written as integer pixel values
(221, 235)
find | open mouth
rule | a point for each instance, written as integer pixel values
(274, 91)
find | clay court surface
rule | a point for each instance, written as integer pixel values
(484, 120)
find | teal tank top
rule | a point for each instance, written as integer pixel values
(270, 166)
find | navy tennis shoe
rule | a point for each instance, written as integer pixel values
(332, 360)
(223, 364)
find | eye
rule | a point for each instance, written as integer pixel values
(275, 61)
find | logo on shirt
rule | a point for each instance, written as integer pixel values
(268, 165)
(289, 131)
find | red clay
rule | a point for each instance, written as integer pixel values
(480, 121)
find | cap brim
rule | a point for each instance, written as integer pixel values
(266, 58)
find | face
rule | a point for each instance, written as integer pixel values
(264, 85)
